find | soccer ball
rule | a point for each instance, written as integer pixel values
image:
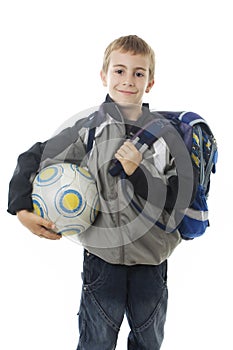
(66, 194)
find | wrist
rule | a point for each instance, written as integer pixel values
(22, 212)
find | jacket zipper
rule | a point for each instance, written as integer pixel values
(121, 248)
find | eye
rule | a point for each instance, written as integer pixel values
(119, 71)
(139, 74)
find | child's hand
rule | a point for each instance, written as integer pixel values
(129, 157)
(37, 225)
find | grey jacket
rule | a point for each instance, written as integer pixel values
(121, 234)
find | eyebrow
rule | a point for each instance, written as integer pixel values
(122, 65)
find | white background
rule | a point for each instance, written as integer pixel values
(51, 54)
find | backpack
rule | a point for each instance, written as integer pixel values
(202, 148)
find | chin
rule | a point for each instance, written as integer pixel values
(126, 100)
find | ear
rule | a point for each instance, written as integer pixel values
(103, 77)
(149, 86)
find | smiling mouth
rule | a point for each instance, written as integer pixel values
(127, 92)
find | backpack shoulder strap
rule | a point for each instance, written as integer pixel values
(145, 137)
(91, 136)
(191, 118)
(93, 121)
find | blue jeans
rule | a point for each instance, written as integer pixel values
(109, 291)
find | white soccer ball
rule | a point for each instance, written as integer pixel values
(67, 195)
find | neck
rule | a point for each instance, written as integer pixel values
(130, 111)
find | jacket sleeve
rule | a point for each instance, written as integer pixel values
(67, 146)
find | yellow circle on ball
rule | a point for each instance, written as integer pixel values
(84, 172)
(47, 174)
(36, 209)
(70, 201)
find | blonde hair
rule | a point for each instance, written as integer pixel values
(134, 45)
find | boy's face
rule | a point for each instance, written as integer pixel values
(127, 78)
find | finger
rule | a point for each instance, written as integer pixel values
(125, 147)
(119, 154)
(51, 237)
(46, 229)
(118, 157)
(43, 233)
(129, 145)
(126, 152)
(122, 151)
(123, 156)
(132, 150)
(47, 224)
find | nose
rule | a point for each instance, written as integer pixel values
(128, 81)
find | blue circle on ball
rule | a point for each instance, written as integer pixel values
(70, 201)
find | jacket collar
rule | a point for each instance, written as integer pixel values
(111, 107)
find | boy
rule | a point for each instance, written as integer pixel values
(125, 255)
